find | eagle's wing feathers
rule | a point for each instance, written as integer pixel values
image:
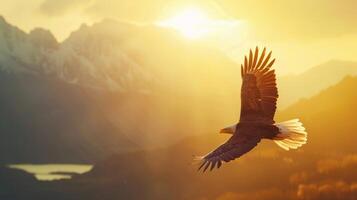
(259, 95)
(259, 92)
(235, 147)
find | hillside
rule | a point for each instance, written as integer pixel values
(169, 173)
(329, 116)
(117, 56)
(48, 120)
(292, 88)
(327, 161)
(104, 90)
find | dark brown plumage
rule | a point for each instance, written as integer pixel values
(259, 95)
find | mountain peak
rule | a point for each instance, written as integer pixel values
(83, 26)
(3, 23)
(328, 73)
(2, 19)
(43, 38)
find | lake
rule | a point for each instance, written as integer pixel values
(50, 172)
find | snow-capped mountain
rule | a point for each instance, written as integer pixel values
(21, 52)
(94, 57)
(89, 57)
(108, 88)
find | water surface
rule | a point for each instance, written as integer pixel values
(50, 172)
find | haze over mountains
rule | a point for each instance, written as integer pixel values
(330, 116)
(116, 87)
(323, 169)
(287, 175)
(295, 87)
(101, 91)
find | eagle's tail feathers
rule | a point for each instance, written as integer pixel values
(292, 134)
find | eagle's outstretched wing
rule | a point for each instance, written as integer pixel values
(235, 147)
(259, 92)
(259, 95)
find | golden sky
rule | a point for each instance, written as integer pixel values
(301, 33)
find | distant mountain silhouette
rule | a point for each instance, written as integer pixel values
(48, 120)
(294, 87)
(329, 116)
(168, 173)
(115, 86)
(110, 87)
(117, 56)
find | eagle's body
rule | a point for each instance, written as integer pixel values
(259, 95)
(262, 130)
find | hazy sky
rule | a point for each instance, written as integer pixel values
(301, 33)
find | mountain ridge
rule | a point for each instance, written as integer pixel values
(138, 89)
(311, 82)
(175, 172)
(168, 173)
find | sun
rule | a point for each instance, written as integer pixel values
(192, 23)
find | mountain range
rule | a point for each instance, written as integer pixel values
(102, 90)
(117, 87)
(322, 169)
(292, 88)
(170, 173)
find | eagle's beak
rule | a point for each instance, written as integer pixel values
(229, 130)
(224, 130)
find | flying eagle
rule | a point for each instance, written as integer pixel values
(259, 95)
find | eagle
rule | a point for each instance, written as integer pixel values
(259, 96)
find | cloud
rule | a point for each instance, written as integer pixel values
(267, 194)
(58, 8)
(332, 168)
(333, 179)
(332, 191)
(297, 178)
(329, 165)
(279, 19)
(139, 11)
(276, 19)
(316, 31)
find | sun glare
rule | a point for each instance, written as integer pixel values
(193, 23)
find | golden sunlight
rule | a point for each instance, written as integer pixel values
(192, 23)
